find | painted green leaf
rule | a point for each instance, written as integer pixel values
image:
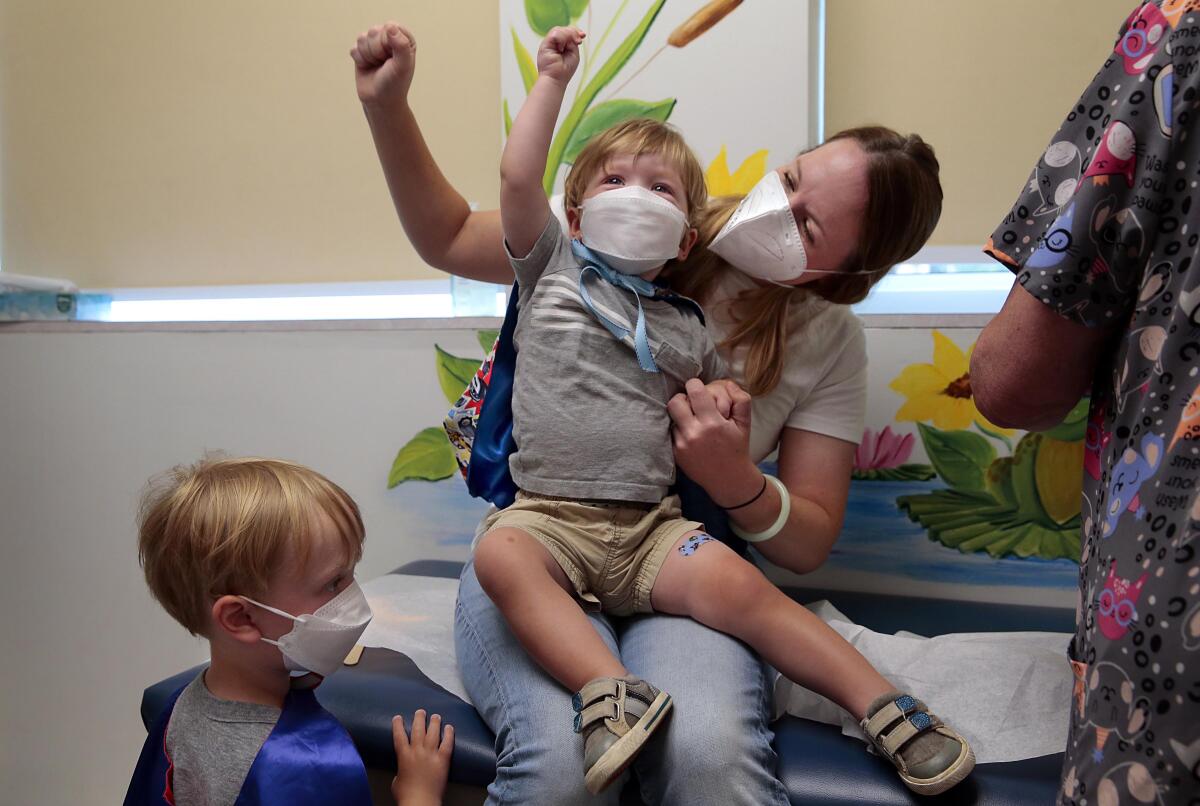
(427, 456)
(1073, 428)
(610, 113)
(994, 434)
(1024, 481)
(545, 14)
(525, 62)
(972, 522)
(507, 117)
(999, 482)
(454, 373)
(604, 75)
(487, 339)
(911, 472)
(961, 458)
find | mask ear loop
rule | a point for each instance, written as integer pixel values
(270, 609)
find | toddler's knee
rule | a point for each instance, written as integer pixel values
(740, 589)
(493, 561)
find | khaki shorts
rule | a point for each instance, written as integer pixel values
(612, 553)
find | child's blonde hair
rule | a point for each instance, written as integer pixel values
(224, 526)
(637, 137)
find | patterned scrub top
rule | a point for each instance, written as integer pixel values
(1107, 233)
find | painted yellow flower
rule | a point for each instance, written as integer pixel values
(722, 183)
(941, 392)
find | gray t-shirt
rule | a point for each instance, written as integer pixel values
(212, 743)
(588, 421)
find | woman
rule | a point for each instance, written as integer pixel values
(862, 202)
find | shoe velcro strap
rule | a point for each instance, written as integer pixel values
(603, 688)
(890, 714)
(905, 732)
(597, 711)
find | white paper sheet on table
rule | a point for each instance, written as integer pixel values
(1008, 694)
(414, 615)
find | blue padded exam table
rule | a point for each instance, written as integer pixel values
(817, 764)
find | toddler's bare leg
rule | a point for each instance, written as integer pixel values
(533, 593)
(713, 585)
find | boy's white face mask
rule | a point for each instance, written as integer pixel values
(635, 230)
(761, 237)
(320, 641)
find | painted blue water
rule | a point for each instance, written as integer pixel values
(880, 538)
(877, 537)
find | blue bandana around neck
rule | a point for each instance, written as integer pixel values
(594, 264)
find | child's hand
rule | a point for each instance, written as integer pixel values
(558, 55)
(384, 60)
(422, 760)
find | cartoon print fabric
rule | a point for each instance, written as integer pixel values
(1107, 233)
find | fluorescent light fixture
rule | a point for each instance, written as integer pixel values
(273, 309)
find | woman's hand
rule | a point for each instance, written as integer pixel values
(712, 439)
(384, 60)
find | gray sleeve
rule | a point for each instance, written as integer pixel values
(712, 366)
(551, 251)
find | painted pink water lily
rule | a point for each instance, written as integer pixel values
(883, 450)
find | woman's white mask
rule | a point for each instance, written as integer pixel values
(635, 230)
(320, 641)
(761, 237)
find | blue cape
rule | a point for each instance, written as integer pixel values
(308, 760)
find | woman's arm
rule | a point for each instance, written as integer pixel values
(816, 470)
(1018, 383)
(712, 446)
(435, 216)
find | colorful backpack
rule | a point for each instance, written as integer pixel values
(483, 437)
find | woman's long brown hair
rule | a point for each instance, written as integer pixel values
(904, 202)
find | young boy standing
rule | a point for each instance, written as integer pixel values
(258, 556)
(601, 352)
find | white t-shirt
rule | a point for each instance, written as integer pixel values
(824, 384)
(823, 387)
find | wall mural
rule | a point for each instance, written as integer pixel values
(1024, 502)
(939, 494)
(670, 61)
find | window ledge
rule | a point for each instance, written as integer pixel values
(939, 288)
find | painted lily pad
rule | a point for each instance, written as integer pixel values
(973, 522)
(909, 472)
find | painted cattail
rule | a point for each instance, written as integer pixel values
(701, 21)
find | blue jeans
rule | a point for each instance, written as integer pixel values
(716, 748)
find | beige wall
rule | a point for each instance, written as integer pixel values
(987, 84)
(166, 143)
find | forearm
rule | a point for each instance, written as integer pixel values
(436, 218)
(523, 205)
(523, 162)
(804, 541)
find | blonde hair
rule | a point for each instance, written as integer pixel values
(637, 137)
(904, 203)
(225, 526)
